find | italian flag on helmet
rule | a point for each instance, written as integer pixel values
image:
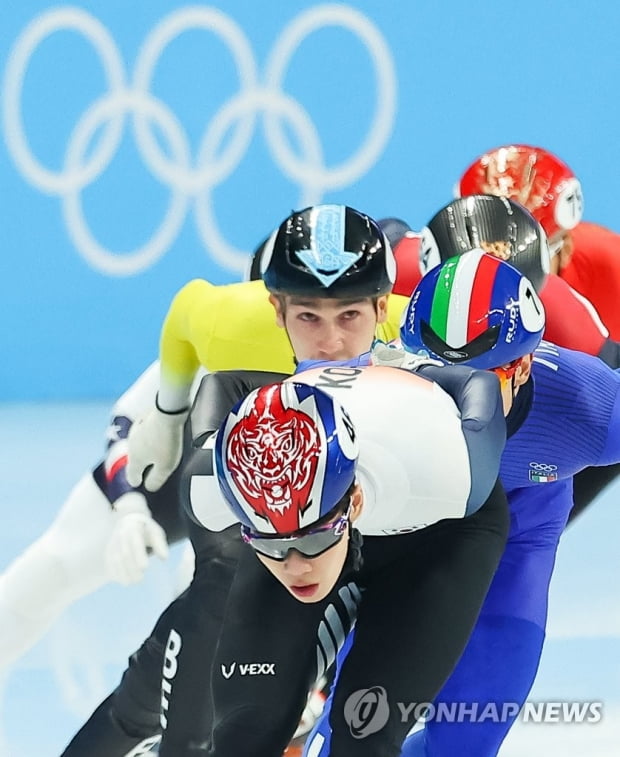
(474, 309)
(463, 304)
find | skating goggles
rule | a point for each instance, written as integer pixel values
(311, 543)
(506, 372)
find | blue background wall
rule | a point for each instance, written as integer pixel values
(81, 316)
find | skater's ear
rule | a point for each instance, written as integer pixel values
(357, 502)
(524, 370)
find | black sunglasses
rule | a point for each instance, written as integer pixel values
(310, 544)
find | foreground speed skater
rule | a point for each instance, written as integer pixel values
(421, 563)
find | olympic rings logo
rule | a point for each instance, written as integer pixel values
(543, 467)
(188, 178)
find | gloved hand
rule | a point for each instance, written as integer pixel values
(310, 715)
(134, 534)
(155, 445)
(396, 357)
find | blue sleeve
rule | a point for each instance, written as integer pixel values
(597, 400)
(478, 398)
(611, 450)
(574, 419)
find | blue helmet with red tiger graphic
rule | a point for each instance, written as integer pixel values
(285, 456)
(473, 309)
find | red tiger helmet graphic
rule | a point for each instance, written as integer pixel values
(285, 456)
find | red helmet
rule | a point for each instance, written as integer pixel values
(532, 177)
(406, 254)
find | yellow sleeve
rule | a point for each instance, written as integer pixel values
(391, 328)
(227, 327)
(177, 352)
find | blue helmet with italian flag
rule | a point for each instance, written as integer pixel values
(473, 309)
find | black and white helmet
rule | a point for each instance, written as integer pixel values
(328, 251)
(496, 225)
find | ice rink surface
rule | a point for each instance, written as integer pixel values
(45, 697)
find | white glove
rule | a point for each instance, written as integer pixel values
(134, 534)
(155, 442)
(312, 712)
(397, 357)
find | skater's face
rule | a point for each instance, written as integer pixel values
(329, 329)
(310, 579)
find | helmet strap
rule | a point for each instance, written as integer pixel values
(514, 389)
(356, 541)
